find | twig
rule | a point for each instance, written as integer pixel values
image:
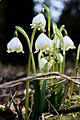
(52, 106)
(39, 75)
(58, 83)
(5, 95)
(68, 110)
(10, 85)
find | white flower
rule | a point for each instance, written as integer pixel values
(43, 43)
(39, 20)
(69, 44)
(15, 45)
(43, 61)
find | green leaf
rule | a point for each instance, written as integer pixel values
(37, 100)
(43, 93)
(60, 95)
(53, 100)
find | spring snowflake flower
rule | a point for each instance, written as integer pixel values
(39, 20)
(43, 61)
(15, 45)
(43, 43)
(69, 44)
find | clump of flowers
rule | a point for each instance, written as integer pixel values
(51, 51)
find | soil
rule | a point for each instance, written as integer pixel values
(7, 114)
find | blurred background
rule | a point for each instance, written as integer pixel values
(21, 13)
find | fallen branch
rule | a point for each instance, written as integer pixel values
(38, 76)
(68, 110)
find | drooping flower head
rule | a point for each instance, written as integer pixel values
(15, 46)
(43, 62)
(69, 44)
(39, 20)
(43, 43)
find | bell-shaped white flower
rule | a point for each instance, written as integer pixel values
(39, 20)
(43, 61)
(15, 45)
(43, 43)
(69, 44)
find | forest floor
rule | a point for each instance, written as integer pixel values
(12, 72)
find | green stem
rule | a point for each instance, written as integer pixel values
(64, 53)
(76, 65)
(58, 33)
(28, 70)
(33, 64)
(77, 57)
(53, 67)
(27, 86)
(32, 37)
(79, 95)
(61, 68)
(63, 65)
(36, 83)
(27, 98)
(56, 66)
(39, 57)
(33, 34)
(37, 106)
(48, 12)
(24, 34)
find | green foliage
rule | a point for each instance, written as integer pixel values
(43, 94)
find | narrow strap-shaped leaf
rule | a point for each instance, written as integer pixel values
(37, 99)
(60, 95)
(43, 93)
(53, 100)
